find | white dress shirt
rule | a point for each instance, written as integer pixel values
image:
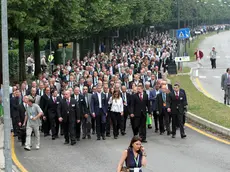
(99, 99)
(116, 105)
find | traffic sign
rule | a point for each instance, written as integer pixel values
(182, 59)
(183, 33)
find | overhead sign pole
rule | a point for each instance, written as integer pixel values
(6, 101)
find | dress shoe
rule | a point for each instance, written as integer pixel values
(156, 131)
(103, 137)
(53, 138)
(168, 133)
(93, 132)
(98, 138)
(23, 144)
(89, 137)
(66, 142)
(83, 137)
(123, 133)
(108, 135)
(73, 143)
(78, 139)
(144, 141)
(173, 136)
(115, 137)
(183, 136)
(45, 135)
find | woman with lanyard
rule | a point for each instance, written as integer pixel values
(134, 157)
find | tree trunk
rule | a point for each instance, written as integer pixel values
(1, 80)
(75, 49)
(22, 60)
(107, 45)
(37, 59)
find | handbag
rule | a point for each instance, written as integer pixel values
(124, 169)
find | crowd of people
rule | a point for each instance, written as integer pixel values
(96, 96)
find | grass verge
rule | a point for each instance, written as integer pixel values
(201, 105)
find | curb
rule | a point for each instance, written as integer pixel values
(220, 129)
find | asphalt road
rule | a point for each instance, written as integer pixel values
(210, 79)
(196, 153)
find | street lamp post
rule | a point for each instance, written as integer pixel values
(178, 14)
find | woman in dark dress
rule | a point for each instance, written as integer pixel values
(134, 156)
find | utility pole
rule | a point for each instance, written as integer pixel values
(5, 67)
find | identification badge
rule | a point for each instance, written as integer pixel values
(31, 117)
(164, 104)
(67, 112)
(136, 170)
(73, 105)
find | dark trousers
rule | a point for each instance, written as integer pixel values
(213, 63)
(164, 120)
(124, 119)
(15, 125)
(156, 120)
(30, 68)
(177, 118)
(108, 120)
(78, 130)
(46, 126)
(139, 126)
(86, 126)
(54, 125)
(22, 134)
(93, 121)
(116, 121)
(100, 123)
(69, 130)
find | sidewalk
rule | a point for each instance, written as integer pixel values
(2, 158)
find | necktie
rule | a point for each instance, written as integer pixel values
(141, 96)
(177, 95)
(68, 102)
(54, 99)
(86, 101)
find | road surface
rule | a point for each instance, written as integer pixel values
(210, 78)
(196, 153)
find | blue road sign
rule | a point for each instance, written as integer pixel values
(183, 33)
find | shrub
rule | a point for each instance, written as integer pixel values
(13, 65)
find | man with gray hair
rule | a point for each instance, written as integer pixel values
(32, 118)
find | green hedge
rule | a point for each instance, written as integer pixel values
(14, 65)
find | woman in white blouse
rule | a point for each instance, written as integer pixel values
(116, 104)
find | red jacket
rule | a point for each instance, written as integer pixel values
(201, 54)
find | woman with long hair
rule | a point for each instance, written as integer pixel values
(116, 104)
(134, 157)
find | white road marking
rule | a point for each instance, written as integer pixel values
(216, 77)
(202, 77)
(197, 73)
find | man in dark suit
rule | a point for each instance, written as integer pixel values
(161, 109)
(43, 103)
(51, 113)
(69, 114)
(126, 97)
(14, 112)
(83, 111)
(139, 104)
(86, 121)
(108, 117)
(177, 105)
(153, 100)
(98, 108)
(40, 90)
(22, 129)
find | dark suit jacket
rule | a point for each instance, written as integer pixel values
(14, 104)
(177, 106)
(82, 105)
(185, 97)
(159, 102)
(43, 103)
(170, 87)
(51, 108)
(128, 97)
(107, 101)
(22, 111)
(72, 110)
(138, 106)
(95, 103)
(153, 98)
